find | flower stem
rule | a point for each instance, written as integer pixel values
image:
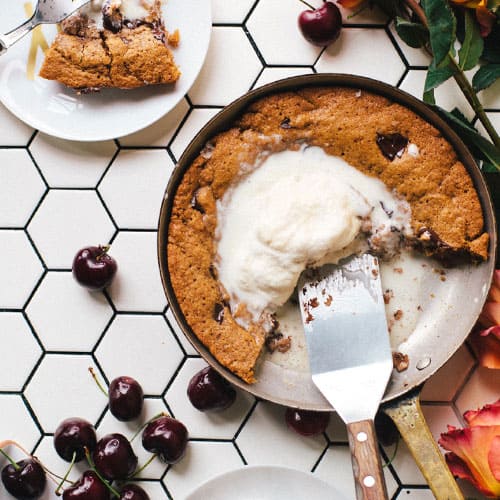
(461, 79)
(472, 99)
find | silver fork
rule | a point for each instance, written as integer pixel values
(46, 12)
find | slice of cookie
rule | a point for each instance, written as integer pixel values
(122, 45)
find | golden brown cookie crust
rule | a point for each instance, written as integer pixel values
(446, 212)
(133, 57)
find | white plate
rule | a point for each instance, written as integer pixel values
(59, 111)
(265, 483)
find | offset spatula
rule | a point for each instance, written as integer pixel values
(344, 319)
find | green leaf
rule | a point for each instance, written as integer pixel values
(491, 52)
(485, 76)
(437, 76)
(480, 146)
(488, 167)
(472, 46)
(413, 34)
(442, 26)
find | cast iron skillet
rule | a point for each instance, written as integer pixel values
(441, 329)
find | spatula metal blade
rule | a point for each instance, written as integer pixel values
(344, 320)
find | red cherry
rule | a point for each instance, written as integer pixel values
(321, 26)
(94, 268)
(167, 437)
(307, 423)
(88, 487)
(26, 480)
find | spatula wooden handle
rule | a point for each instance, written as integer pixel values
(366, 465)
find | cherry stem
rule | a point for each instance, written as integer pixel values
(141, 428)
(140, 469)
(98, 474)
(104, 250)
(308, 4)
(14, 464)
(65, 478)
(98, 383)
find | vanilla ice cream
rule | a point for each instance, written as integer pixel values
(298, 209)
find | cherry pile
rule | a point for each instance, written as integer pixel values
(112, 461)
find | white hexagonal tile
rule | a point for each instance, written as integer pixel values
(338, 459)
(415, 494)
(335, 468)
(17, 425)
(195, 121)
(445, 383)
(272, 74)
(20, 351)
(405, 465)
(62, 387)
(13, 132)
(275, 31)
(137, 284)
(78, 164)
(67, 221)
(230, 12)
(228, 46)
(415, 57)
(20, 269)
(137, 343)
(109, 424)
(448, 95)
(438, 417)
(481, 388)
(218, 425)
(490, 97)
(349, 54)
(134, 186)
(161, 132)
(20, 189)
(203, 461)
(174, 326)
(66, 316)
(277, 445)
(46, 452)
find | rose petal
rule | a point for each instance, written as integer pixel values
(488, 415)
(472, 445)
(350, 4)
(459, 469)
(494, 458)
(490, 315)
(486, 20)
(486, 345)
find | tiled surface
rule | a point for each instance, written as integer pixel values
(58, 196)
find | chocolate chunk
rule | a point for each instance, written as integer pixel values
(314, 302)
(391, 145)
(195, 204)
(112, 18)
(218, 313)
(276, 341)
(285, 123)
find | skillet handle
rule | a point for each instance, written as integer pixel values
(366, 465)
(409, 419)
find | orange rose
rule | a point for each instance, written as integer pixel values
(486, 340)
(474, 452)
